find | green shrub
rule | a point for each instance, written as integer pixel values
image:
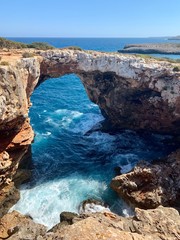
(4, 43)
(74, 48)
(177, 60)
(176, 69)
(40, 46)
(27, 55)
(4, 63)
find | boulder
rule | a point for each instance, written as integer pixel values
(150, 185)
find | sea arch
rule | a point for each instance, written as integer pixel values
(132, 92)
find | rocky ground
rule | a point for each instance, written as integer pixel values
(159, 224)
(151, 48)
(150, 185)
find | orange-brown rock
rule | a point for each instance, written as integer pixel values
(132, 92)
(15, 226)
(151, 185)
(159, 224)
(9, 195)
(13, 147)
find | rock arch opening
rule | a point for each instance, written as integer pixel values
(69, 166)
(132, 92)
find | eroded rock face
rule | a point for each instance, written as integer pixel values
(131, 92)
(160, 224)
(151, 185)
(16, 226)
(14, 145)
(9, 195)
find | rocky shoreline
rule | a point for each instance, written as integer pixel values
(160, 224)
(149, 185)
(132, 92)
(151, 48)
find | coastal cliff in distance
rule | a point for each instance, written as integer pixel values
(152, 48)
(174, 38)
(132, 92)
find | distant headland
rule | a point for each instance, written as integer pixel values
(174, 38)
(151, 48)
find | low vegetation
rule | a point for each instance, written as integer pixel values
(5, 43)
(176, 69)
(4, 63)
(145, 56)
(40, 46)
(27, 55)
(74, 48)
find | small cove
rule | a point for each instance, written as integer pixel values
(70, 166)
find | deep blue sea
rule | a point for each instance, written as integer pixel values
(70, 166)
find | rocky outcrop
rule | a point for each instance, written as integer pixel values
(152, 48)
(160, 224)
(151, 185)
(14, 226)
(174, 38)
(131, 92)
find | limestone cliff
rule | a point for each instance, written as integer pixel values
(132, 92)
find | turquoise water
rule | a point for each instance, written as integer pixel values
(70, 166)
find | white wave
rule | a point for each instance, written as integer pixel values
(45, 202)
(122, 208)
(52, 122)
(104, 141)
(126, 168)
(62, 118)
(125, 161)
(46, 134)
(68, 112)
(92, 105)
(88, 121)
(40, 137)
(93, 208)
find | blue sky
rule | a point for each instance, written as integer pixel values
(93, 18)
